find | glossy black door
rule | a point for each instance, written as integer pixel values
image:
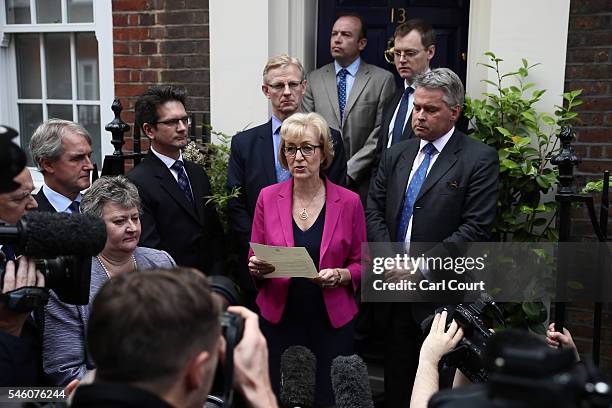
(450, 19)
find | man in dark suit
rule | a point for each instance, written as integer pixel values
(62, 151)
(414, 45)
(173, 191)
(440, 186)
(254, 162)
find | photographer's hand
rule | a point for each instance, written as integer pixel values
(251, 376)
(561, 340)
(26, 275)
(437, 343)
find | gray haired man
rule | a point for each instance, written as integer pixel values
(440, 186)
(62, 151)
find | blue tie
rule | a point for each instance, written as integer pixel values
(75, 207)
(182, 180)
(413, 191)
(342, 91)
(282, 174)
(400, 118)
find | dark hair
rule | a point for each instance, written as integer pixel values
(145, 110)
(364, 29)
(145, 325)
(428, 35)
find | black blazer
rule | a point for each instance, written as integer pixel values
(251, 168)
(192, 234)
(43, 202)
(458, 199)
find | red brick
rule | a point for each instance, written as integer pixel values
(596, 104)
(595, 166)
(589, 87)
(157, 33)
(148, 48)
(120, 48)
(596, 152)
(589, 6)
(594, 135)
(122, 75)
(157, 62)
(175, 4)
(130, 61)
(589, 22)
(150, 76)
(119, 20)
(129, 5)
(588, 55)
(197, 4)
(134, 76)
(131, 33)
(146, 19)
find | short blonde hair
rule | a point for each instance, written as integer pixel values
(294, 128)
(281, 61)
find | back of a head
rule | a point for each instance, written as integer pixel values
(144, 326)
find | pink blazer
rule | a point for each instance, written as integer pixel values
(343, 233)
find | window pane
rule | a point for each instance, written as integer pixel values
(30, 116)
(87, 66)
(60, 111)
(80, 11)
(57, 50)
(49, 11)
(18, 12)
(28, 66)
(89, 118)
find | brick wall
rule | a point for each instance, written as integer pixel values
(589, 67)
(161, 42)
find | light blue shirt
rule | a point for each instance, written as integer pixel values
(350, 79)
(58, 201)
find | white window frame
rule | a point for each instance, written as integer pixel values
(102, 27)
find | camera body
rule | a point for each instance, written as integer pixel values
(467, 355)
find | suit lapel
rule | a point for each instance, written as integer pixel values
(266, 152)
(333, 204)
(361, 79)
(407, 133)
(169, 184)
(285, 214)
(332, 90)
(446, 160)
(197, 183)
(43, 202)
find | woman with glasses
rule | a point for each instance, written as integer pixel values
(328, 220)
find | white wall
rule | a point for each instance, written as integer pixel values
(535, 30)
(244, 34)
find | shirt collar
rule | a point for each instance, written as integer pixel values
(276, 124)
(58, 201)
(352, 69)
(440, 142)
(168, 161)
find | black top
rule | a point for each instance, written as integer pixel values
(311, 238)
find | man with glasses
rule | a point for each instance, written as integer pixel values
(254, 162)
(350, 94)
(175, 216)
(414, 47)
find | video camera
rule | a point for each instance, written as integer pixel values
(61, 244)
(475, 320)
(524, 372)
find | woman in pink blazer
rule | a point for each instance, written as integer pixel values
(328, 220)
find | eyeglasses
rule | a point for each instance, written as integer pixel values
(409, 54)
(280, 86)
(306, 150)
(174, 122)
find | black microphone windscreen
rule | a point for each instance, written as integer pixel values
(298, 373)
(48, 235)
(351, 383)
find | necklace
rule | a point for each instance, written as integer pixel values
(303, 215)
(106, 270)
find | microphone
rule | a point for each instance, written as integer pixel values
(298, 369)
(351, 383)
(46, 235)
